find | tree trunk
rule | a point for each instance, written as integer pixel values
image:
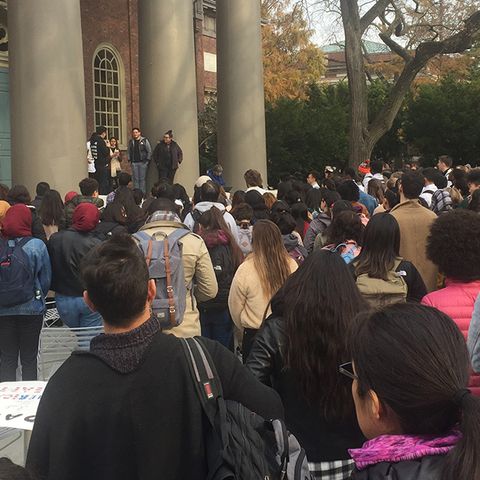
(357, 83)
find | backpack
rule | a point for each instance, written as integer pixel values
(242, 445)
(378, 292)
(222, 261)
(245, 239)
(17, 282)
(165, 266)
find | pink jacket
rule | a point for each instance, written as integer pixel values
(457, 300)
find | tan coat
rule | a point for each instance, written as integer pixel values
(415, 222)
(199, 272)
(246, 301)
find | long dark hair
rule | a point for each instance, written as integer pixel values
(380, 247)
(51, 209)
(321, 301)
(212, 221)
(124, 196)
(415, 359)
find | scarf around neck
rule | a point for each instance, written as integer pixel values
(397, 448)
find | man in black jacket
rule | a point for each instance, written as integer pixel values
(101, 155)
(167, 156)
(128, 409)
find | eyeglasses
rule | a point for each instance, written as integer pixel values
(347, 370)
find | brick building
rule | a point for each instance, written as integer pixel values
(111, 66)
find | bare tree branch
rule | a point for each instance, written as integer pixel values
(369, 17)
(395, 47)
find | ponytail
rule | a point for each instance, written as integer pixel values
(464, 460)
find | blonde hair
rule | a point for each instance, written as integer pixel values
(270, 257)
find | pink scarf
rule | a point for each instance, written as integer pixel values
(397, 448)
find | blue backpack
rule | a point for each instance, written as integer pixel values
(17, 284)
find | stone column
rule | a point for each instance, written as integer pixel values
(168, 94)
(47, 93)
(241, 108)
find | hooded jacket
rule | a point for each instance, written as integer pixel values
(17, 224)
(317, 225)
(67, 249)
(202, 207)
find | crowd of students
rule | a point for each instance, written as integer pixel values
(349, 301)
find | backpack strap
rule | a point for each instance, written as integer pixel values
(168, 273)
(204, 376)
(176, 235)
(142, 236)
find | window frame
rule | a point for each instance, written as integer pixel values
(121, 98)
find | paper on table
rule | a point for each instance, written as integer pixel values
(19, 402)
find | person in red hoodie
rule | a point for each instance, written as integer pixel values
(453, 246)
(67, 249)
(21, 323)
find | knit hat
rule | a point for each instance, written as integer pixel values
(85, 217)
(202, 180)
(17, 222)
(70, 196)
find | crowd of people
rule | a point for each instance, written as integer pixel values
(345, 304)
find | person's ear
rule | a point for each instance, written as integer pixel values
(376, 408)
(152, 290)
(89, 302)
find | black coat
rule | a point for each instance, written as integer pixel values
(323, 439)
(100, 151)
(425, 468)
(67, 249)
(96, 423)
(167, 157)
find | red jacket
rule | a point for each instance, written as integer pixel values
(457, 300)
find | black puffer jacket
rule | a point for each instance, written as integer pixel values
(322, 438)
(67, 249)
(425, 468)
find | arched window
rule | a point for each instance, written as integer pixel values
(108, 92)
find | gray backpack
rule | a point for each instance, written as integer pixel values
(163, 254)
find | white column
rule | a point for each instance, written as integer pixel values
(241, 108)
(168, 94)
(47, 93)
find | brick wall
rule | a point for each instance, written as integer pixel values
(114, 22)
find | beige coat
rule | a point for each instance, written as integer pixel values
(415, 222)
(199, 272)
(246, 301)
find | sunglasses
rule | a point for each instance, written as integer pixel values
(347, 370)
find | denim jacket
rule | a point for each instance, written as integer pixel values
(37, 253)
(473, 340)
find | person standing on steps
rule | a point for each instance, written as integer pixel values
(139, 156)
(167, 156)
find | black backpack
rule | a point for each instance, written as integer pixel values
(241, 445)
(17, 284)
(224, 268)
